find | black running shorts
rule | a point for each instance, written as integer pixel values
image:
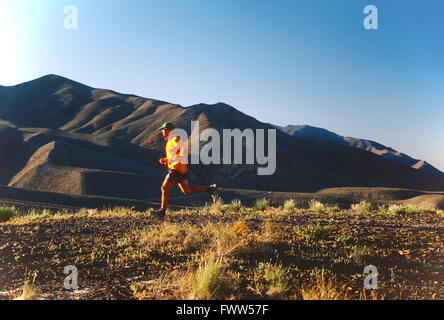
(175, 176)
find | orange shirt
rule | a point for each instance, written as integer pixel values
(176, 154)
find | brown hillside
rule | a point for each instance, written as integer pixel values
(60, 135)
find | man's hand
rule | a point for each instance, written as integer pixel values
(163, 160)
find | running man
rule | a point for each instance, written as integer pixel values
(176, 153)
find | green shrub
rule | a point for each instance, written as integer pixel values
(271, 231)
(235, 205)
(382, 208)
(277, 278)
(261, 204)
(343, 236)
(29, 292)
(7, 213)
(360, 253)
(215, 207)
(319, 288)
(290, 205)
(363, 206)
(334, 207)
(208, 282)
(313, 232)
(404, 209)
(317, 206)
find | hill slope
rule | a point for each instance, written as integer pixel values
(59, 135)
(306, 132)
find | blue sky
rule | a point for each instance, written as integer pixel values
(281, 61)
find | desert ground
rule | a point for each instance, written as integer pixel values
(248, 245)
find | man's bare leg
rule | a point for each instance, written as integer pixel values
(186, 189)
(166, 186)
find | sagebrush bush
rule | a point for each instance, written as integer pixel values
(174, 238)
(334, 207)
(7, 213)
(215, 207)
(405, 209)
(239, 228)
(360, 253)
(171, 285)
(290, 205)
(235, 205)
(209, 281)
(362, 250)
(271, 231)
(261, 204)
(316, 206)
(318, 288)
(363, 206)
(29, 292)
(343, 236)
(313, 232)
(277, 278)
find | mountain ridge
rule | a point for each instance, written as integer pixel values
(307, 131)
(97, 130)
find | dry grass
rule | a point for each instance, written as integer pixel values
(320, 288)
(215, 208)
(168, 286)
(290, 206)
(29, 291)
(406, 209)
(235, 206)
(312, 232)
(363, 207)
(277, 280)
(243, 253)
(317, 206)
(239, 228)
(372, 295)
(261, 204)
(271, 231)
(209, 281)
(7, 213)
(270, 280)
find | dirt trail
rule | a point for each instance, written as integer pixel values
(344, 197)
